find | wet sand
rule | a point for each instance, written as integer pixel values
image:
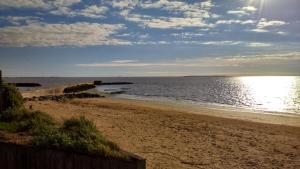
(172, 135)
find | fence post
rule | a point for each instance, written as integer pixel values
(0, 78)
(1, 93)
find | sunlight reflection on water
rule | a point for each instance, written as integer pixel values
(273, 93)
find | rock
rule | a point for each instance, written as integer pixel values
(64, 96)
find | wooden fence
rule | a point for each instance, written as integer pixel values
(14, 156)
(1, 93)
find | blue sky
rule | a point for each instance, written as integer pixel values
(149, 38)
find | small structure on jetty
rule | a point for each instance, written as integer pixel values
(99, 82)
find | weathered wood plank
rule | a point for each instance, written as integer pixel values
(14, 156)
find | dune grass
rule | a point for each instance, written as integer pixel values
(12, 98)
(75, 134)
(15, 118)
(80, 135)
(22, 120)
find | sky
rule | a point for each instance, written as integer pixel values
(102, 38)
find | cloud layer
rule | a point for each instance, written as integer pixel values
(78, 34)
(104, 22)
(227, 61)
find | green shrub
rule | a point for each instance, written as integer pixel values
(34, 122)
(79, 135)
(22, 120)
(16, 118)
(11, 114)
(52, 137)
(12, 97)
(7, 127)
(79, 88)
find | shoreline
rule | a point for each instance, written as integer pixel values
(209, 109)
(221, 112)
(206, 104)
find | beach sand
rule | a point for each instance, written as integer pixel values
(44, 92)
(172, 136)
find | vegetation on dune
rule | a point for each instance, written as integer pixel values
(78, 135)
(12, 98)
(15, 118)
(79, 88)
(75, 134)
(22, 120)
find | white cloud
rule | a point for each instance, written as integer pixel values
(18, 20)
(263, 23)
(124, 61)
(92, 11)
(58, 3)
(227, 61)
(259, 44)
(58, 7)
(23, 4)
(134, 35)
(243, 60)
(198, 9)
(152, 43)
(247, 10)
(185, 14)
(221, 43)
(122, 4)
(187, 34)
(197, 42)
(237, 12)
(259, 30)
(282, 33)
(241, 43)
(232, 21)
(125, 64)
(46, 4)
(175, 22)
(263, 59)
(164, 22)
(77, 34)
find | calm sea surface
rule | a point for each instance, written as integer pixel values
(268, 93)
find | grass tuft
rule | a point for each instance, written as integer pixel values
(79, 135)
(12, 98)
(22, 120)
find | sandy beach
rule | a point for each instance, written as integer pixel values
(172, 135)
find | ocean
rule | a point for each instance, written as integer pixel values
(276, 94)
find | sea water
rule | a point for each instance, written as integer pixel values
(267, 93)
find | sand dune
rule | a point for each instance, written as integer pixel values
(172, 137)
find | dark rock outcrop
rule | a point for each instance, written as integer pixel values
(79, 88)
(26, 84)
(60, 98)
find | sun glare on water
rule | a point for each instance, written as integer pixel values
(272, 93)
